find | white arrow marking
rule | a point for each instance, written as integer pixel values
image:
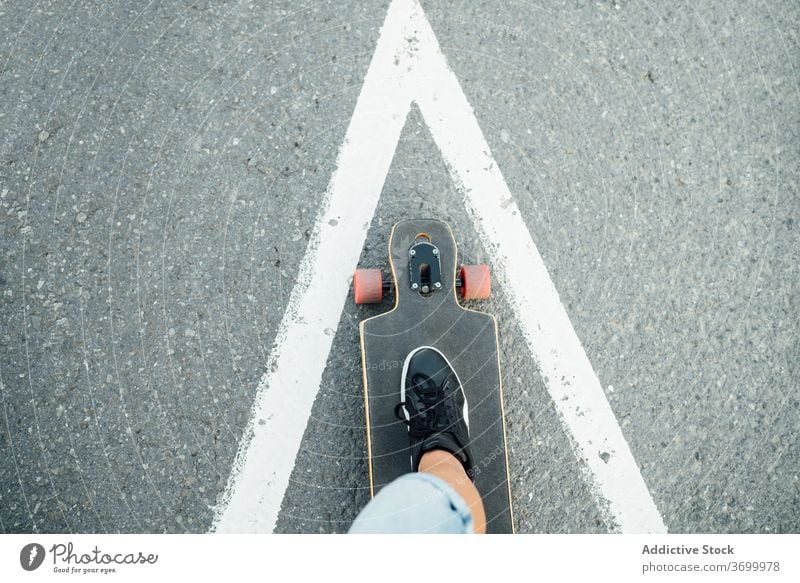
(409, 66)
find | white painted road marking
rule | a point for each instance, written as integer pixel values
(409, 66)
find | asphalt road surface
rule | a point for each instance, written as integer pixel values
(161, 171)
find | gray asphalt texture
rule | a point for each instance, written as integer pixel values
(161, 167)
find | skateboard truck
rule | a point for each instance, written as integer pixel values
(424, 267)
(473, 282)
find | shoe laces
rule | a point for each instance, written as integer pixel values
(437, 412)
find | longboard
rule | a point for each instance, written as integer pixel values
(428, 285)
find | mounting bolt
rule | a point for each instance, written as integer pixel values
(437, 285)
(412, 252)
(436, 252)
(425, 289)
(414, 286)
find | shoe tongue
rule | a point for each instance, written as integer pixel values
(447, 442)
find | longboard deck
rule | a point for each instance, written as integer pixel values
(469, 340)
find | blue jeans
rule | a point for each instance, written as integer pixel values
(415, 503)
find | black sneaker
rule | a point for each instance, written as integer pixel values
(433, 405)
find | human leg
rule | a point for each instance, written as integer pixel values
(434, 408)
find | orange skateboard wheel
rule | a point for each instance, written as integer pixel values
(476, 283)
(368, 286)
